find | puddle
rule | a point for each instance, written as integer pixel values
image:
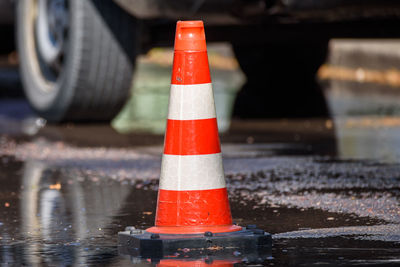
(53, 215)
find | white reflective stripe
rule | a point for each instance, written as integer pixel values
(191, 102)
(193, 172)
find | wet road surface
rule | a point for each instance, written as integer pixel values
(328, 190)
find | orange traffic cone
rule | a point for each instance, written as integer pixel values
(192, 196)
(193, 208)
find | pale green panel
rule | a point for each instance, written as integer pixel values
(147, 108)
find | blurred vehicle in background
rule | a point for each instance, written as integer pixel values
(77, 57)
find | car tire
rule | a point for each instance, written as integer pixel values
(90, 77)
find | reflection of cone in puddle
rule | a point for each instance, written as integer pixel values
(195, 263)
(192, 196)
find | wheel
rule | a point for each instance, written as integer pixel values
(281, 80)
(76, 57)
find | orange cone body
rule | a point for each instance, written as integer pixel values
(192, 195)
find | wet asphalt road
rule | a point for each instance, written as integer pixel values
(328, 190)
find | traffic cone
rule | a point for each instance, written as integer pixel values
(193, 207)
(192, 196)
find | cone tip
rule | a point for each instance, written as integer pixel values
(190, 36)
(190, 23)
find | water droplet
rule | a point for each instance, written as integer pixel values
(236, 253)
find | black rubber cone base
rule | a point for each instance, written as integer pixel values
(139, 243)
